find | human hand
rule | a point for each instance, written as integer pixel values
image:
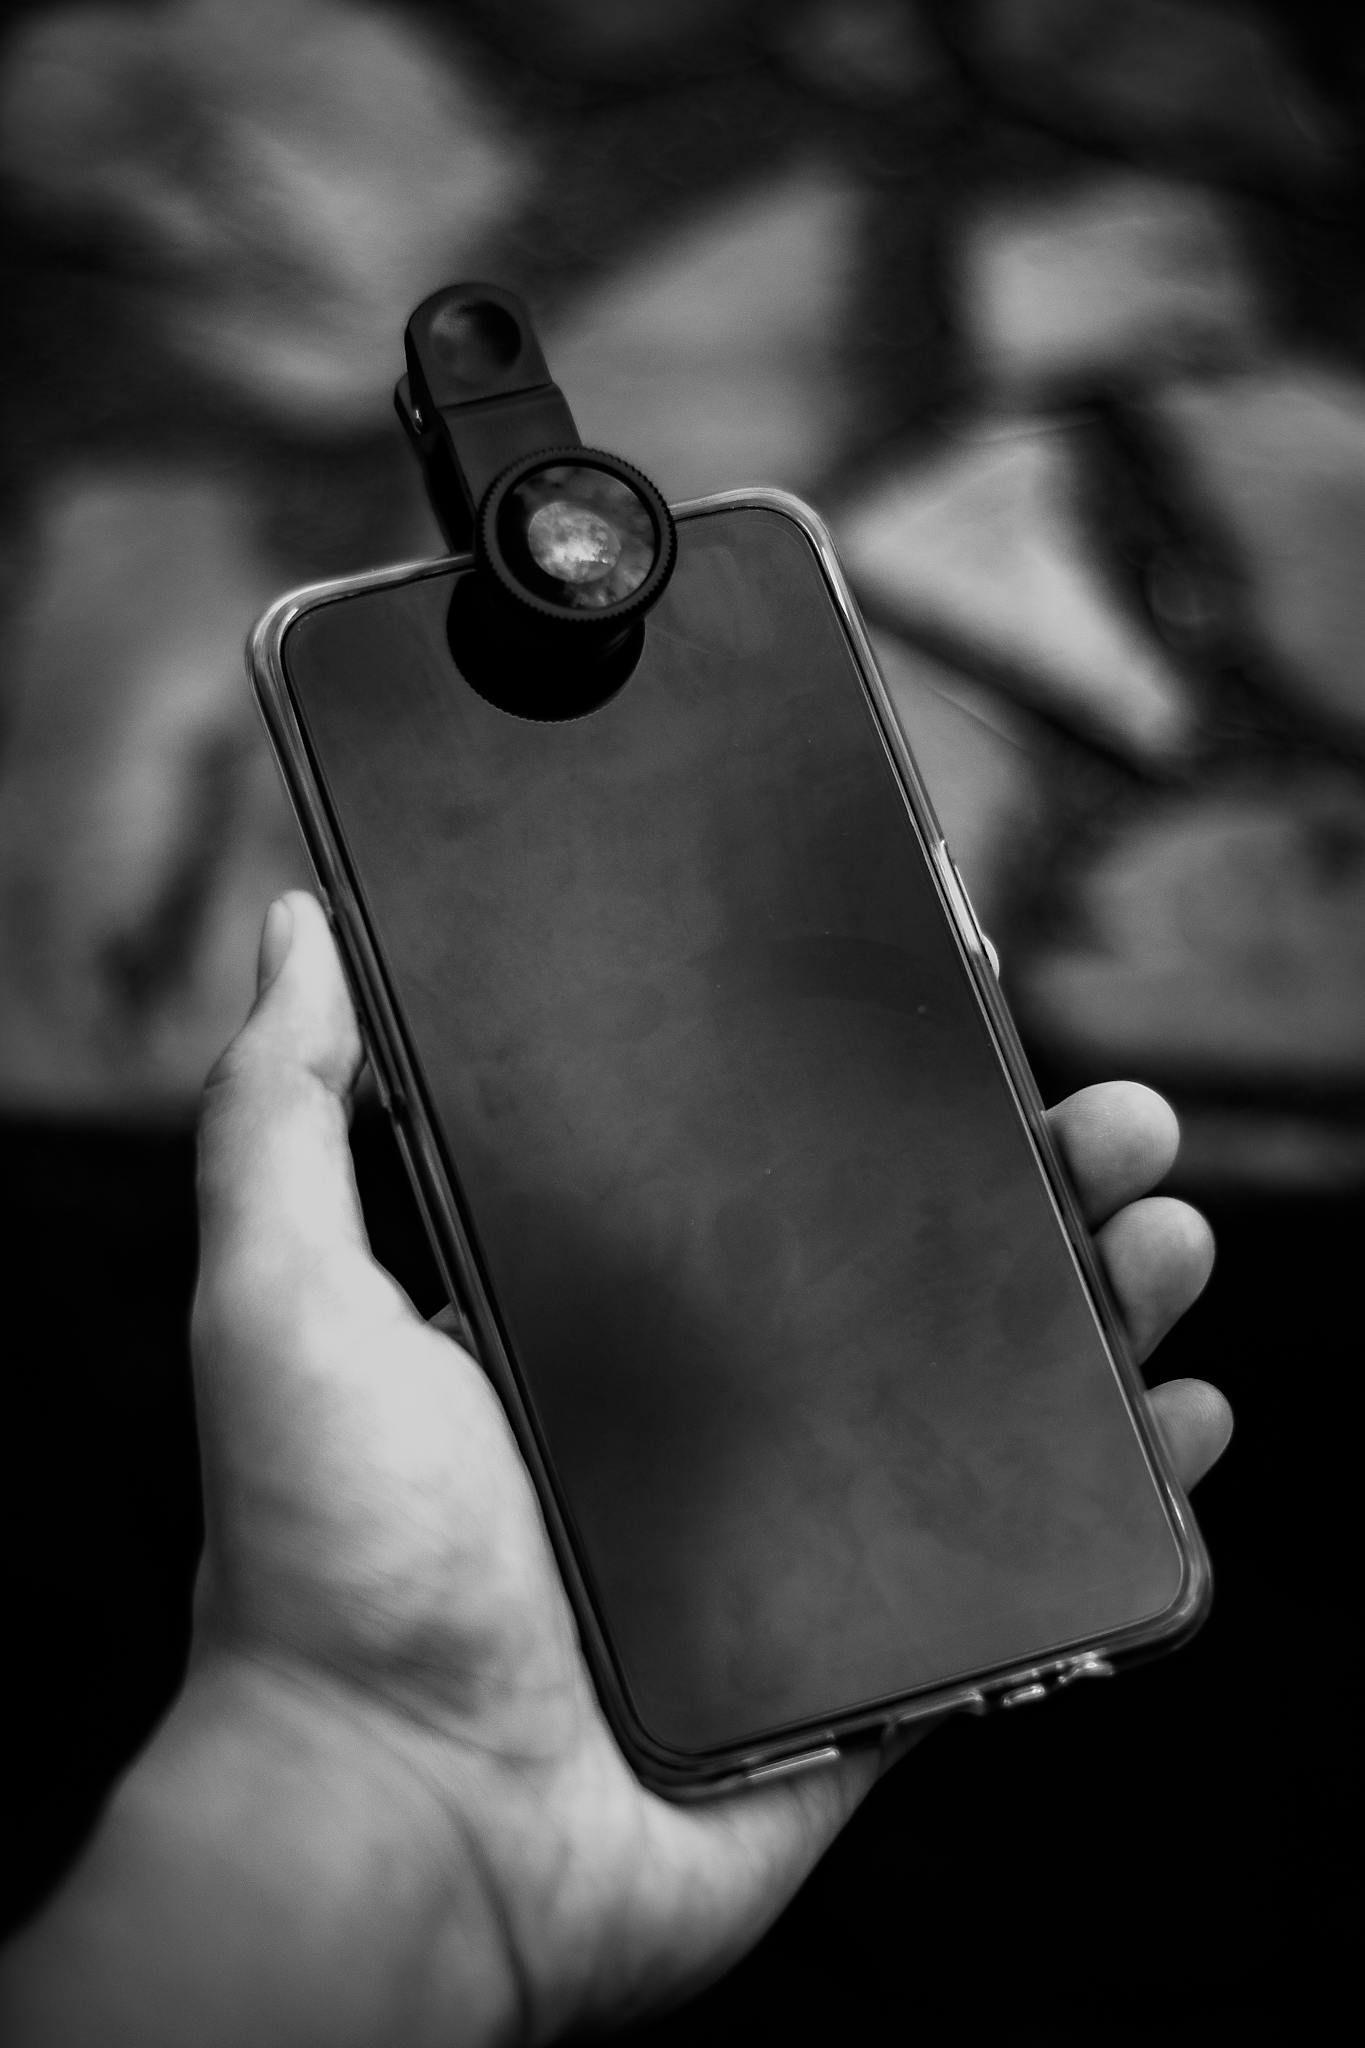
(401, 1778)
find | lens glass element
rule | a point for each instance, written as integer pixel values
(580, 536)
(572, 544)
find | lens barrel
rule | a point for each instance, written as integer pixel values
(572, 546)
(578, 544)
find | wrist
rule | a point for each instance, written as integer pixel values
(277, 1867)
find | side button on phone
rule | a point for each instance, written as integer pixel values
(985, 937)
(828, 1755)
(1089, 1665)
(963, 905)
(390, 1094)
(1022, 1694)
(1039, 1683)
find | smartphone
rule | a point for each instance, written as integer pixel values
(731, 1158)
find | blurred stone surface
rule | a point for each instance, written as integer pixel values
(618, 41)
(872, 52)
(283, 178)
(143, 828)
(1277, 457)
(983, 776)
(985, 543)
(1211, 87)
(871, 244)
(714, 358)
(1124, 274)
(1219, 942)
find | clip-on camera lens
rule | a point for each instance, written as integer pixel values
(571, 545)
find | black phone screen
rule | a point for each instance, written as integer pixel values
(827, 1404)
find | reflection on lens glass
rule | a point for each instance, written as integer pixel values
(571, 543)
(587, 534)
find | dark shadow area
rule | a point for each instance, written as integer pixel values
(1176, 1850)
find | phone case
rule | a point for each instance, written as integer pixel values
(404, 1092)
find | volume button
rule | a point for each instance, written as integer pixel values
(957, 894)
(390, 1094)
(988, 944)
(963, 905)
(381, 1079)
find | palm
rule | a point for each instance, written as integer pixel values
(382, 1530)
(370, 1522)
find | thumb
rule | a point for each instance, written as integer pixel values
(277, 1197)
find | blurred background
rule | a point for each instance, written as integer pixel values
(1056, 309)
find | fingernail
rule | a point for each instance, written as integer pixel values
(276, 936)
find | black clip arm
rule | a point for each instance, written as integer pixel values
(477, 396)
